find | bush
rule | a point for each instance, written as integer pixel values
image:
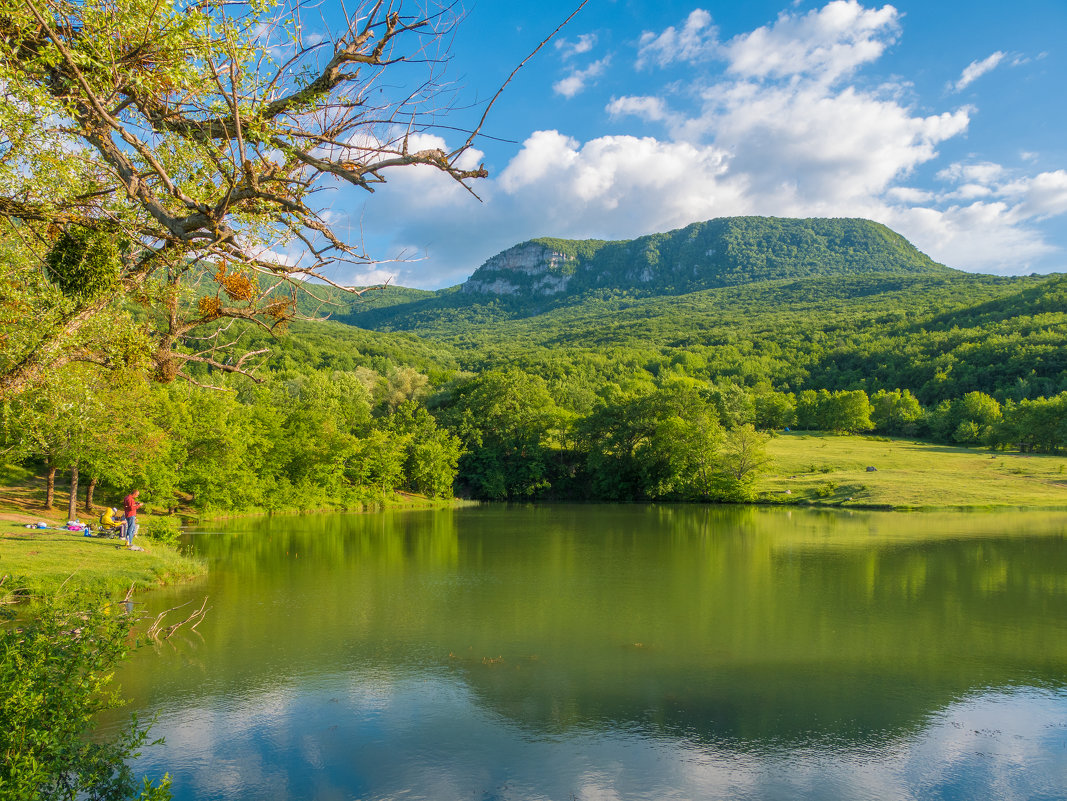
(164, 529)
(55, 672)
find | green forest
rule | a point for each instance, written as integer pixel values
(613, 394)
(161, 163)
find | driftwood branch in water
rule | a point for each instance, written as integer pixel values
(157, 631)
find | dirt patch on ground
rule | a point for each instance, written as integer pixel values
(24, 503)
(23, 518)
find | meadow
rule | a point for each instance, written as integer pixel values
(828, 469)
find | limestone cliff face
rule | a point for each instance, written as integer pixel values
(529, 268)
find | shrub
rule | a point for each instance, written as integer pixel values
(164, 529)
(55, 671)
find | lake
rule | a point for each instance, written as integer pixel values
(617, 652)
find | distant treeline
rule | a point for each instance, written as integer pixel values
(684, 439)
(346, 438)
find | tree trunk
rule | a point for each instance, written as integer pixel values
(50, 486)
(89, 490)
(72, 507)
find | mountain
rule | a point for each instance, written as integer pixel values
(540, 275)
(723, 252)
(836, 304)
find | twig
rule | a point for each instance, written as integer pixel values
(157, 632)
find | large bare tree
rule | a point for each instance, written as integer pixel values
(156, 156)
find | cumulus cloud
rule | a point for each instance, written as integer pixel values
(976, 69)
(696, 41)
(766, 124)
(578, 79)
(828, 43)
(651, 109)
(983, 236)
(825, 147)
(640, 181)
(1042, 196)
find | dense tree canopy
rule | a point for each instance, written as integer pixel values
(155, 158)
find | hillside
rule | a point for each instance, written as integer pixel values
(727, 251)
(794, 303)
(541, 275)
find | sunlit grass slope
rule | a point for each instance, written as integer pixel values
(40, 562)
(832, 470)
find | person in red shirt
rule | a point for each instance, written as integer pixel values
(130, 506)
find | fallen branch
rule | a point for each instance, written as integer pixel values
(159, 632)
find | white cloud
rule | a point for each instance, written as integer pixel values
(372, 277)
(651, 109)
(1042, 196)
(618, 182)
(983, 173)
(569, 49)
(577, 81)
(976, 69)
(829, 148)
(696, 41)
(828, 43)
(909, 195)
(981, 236)
(785, 135)
(984, 220)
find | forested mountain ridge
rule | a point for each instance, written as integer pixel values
(726, 251)
(856, 307)
(547, 273)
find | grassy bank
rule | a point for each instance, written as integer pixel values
(394, 502)
(827, 469)
(38, 562)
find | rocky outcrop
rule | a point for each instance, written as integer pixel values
(529, 268)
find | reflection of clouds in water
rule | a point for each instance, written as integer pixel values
(999, 745)
(429, 738)
(1009, 744)
(205, 750)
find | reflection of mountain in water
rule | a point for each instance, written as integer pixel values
(711, 624)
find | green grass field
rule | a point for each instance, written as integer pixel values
(827, 469)
(40, 562)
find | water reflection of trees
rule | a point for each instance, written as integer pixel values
(704, 622)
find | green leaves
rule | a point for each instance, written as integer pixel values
(85, 262)
(55, 675)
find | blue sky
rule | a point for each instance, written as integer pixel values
(943, 119)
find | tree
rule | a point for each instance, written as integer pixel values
(897, 412)
(505, 420)
(810, 406)
(848, 410)
(79, 421)
(432, 453)
(1039, 424)
(744, 457)
(970, 420)
(775, 410)
(845, 410)
(653, 445)
(734, 405)
(155, 156)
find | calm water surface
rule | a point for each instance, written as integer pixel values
(595, 652)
